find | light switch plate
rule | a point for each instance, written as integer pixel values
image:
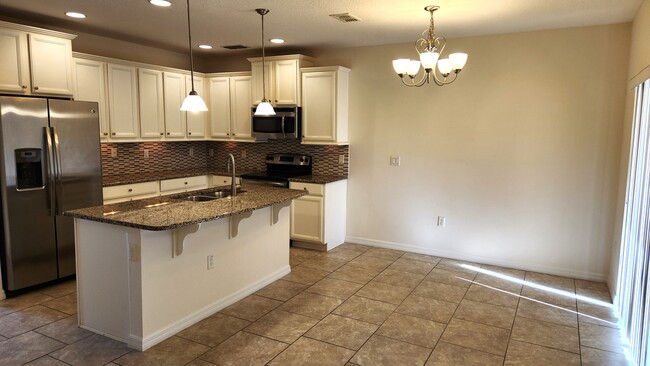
(341, 159)
(395, 160)
(146, 153)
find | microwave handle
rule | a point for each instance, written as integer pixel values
(282, 123)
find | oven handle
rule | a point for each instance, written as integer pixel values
(282, 123)
(263, 183)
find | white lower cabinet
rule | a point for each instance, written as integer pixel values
(178, 185)
(130, 192)
(318, 219)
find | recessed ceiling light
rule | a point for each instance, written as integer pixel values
(205, 46)
(277, 40)
(160, 3)
(74, 14)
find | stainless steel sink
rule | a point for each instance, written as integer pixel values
(201, 198)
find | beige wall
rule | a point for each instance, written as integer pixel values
(639, 71)
(521, 154)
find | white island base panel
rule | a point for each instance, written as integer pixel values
(132, 289)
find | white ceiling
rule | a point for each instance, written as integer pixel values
(306, 24)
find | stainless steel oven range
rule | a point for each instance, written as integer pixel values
(279, 168)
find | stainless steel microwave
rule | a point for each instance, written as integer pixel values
(286, 124)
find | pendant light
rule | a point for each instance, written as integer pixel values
(193, 102)
(264, 108)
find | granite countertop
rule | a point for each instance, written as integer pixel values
(318, 178)
(166, 212)
(119, 179)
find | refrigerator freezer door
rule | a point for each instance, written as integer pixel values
(29, 250)
(75, 127)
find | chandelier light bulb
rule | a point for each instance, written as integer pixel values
(444, 65)
(401, 65)
(429, 59)
(413, 67)
(458, 60)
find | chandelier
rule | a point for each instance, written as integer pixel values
(430, 47)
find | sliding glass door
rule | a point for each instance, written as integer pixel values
(633, 298)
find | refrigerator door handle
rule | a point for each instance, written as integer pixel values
(57, 170)
(51, 171)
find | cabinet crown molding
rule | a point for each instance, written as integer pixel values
(283, 57)
(30, 29)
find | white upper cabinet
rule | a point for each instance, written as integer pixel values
(175, 119)
(219, 105)
(89, 80)
(230, 108)
(282, 78)
(195, 120)
(35, 61)
(51, 65)
(152, 110)
(123, 101)
(14, 64)
(325, 105)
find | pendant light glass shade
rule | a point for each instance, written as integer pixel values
(264, 108)
(193, 103)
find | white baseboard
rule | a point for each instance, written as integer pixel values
(526, 266)
(168, 331)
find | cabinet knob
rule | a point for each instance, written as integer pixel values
(130, 190)
(36, 88)
(24, 86)
(185, 183)
(167, 133)
(113, 133)
(161, 134)
(227, 133)
(189, 133)
(105, 134)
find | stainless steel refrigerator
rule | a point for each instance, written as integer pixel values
(50, 162)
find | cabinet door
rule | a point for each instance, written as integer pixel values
(195, 120)
(307, 219)
(14, 65)
(240, 107)
(319, 106)
(90, 86)
(51, 65)
(258, 92)
(123, 101)
(285, 82)
(152, 111)
(220, 107)
(175, 119)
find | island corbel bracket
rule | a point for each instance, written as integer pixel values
(179, 235)
(275, 213)
(235, 220)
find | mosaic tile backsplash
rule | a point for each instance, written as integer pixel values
(165, 156)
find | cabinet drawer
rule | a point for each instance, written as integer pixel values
(313, 189)
(184, 183)
(129, 190)
(222, 180)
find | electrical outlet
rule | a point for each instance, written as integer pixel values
(133, 253)
(210, 261)
(442, 221)
(211, 152)
(191, 151)
(113, 152)
(243, 154)
(146, 153)
(395, 160)
(341, 159)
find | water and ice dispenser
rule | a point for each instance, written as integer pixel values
(29, 169)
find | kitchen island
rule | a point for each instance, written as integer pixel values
(147, 269)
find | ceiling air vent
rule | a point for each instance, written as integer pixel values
(235, 47)
(345, 17)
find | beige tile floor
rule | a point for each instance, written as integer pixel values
(355, 305)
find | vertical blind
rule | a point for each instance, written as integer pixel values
(633, 298)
